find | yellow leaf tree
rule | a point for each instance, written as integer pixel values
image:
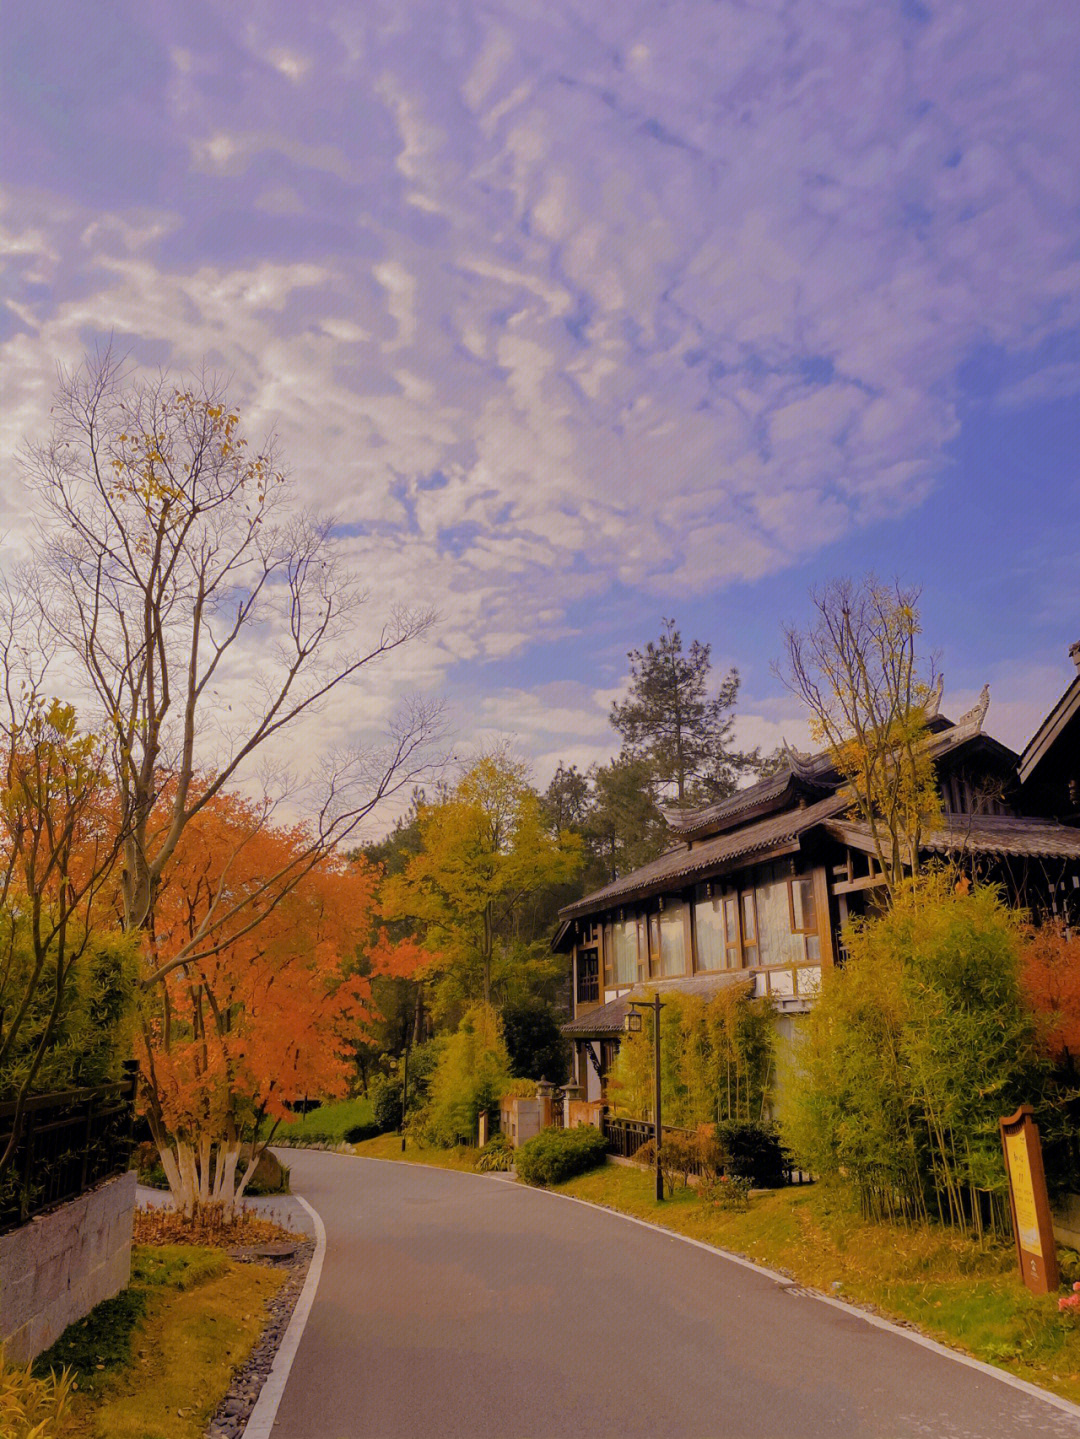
(486, 856)
(858, 670)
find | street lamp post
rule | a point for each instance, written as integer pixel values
(633, 1026)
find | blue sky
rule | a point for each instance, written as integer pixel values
(581, 314)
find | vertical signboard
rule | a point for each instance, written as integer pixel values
(1029, 1202)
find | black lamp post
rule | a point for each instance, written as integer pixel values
(633, 1026)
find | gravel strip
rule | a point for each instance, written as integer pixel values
(231, 1416)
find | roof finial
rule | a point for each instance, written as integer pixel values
(933, 699)
(977, 713)
(1074, 654)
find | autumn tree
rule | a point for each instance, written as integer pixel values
(270, 1012)
(58, 845)
(1051, 979)
(208, 615)
(485, 855)
(672, 723)
(858, 670)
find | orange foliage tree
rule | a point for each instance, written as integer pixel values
(266, 1011)
(1051, 978)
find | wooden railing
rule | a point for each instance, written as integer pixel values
(626, 1136)
(65, 1144)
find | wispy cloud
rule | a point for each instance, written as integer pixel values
(547, 300)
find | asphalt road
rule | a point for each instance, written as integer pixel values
(454, 1306)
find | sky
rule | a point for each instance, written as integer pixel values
(577, 315)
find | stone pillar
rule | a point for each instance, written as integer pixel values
(485, 1125)
(571, 1093)
(544, 1091)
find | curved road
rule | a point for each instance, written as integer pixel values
(457, 1306)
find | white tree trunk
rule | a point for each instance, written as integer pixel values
(188, 1168)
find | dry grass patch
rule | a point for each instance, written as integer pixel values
(155, 1362)
(388, 1146)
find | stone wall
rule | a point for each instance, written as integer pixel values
(54, 1269)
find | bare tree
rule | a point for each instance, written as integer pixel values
(208, 615)
(858, 671)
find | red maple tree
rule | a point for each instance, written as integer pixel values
(267, 1007)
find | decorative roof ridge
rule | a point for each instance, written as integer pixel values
(933, 699)
(977, 713)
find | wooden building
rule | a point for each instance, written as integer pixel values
(756, 888)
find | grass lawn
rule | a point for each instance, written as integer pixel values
(154, 1362)
(963, 1294)
(326, 1125)
(388, 1146)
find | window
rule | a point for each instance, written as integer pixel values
(732, 950)
(624, 953)
(588, 976)
(709, 928)
(804, 915)
(654, 945)
(750, 928)
(673, 937)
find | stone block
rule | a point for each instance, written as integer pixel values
(56, 1268)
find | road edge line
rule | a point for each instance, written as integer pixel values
(785, 1281)
(262, 1417)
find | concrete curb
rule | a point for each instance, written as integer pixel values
(261, 1420)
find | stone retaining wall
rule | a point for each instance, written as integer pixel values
(54, 1269)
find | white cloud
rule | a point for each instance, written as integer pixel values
(545, 300)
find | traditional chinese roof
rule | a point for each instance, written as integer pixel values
(1019, 835)
(806, 776)
(609, 1018)
(776, 833)
(1053, 726)
(813, 776)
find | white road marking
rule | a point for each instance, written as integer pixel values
(264, 1414)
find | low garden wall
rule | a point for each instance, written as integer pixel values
(56, 1267)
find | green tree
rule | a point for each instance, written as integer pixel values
(486, 855)
(471, 1075)
(912, 1053)
(535, 1042)
(716, 1059)
(672, 723)
(625, 828)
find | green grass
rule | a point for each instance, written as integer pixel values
(966, 1295)
(326, 1125)
(154, 1362)
(388, 1146)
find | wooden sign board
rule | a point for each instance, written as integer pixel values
(1029, 1201)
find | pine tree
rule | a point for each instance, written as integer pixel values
(672, 723)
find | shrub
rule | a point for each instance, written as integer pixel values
(913, 1051)
(729, 1191)
(558, 1154)
(753, 1152)
(497, 1154)
(716, 1059)
(357, 1133)
(386, 1104)
(680, 1156)
(32, 1407)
